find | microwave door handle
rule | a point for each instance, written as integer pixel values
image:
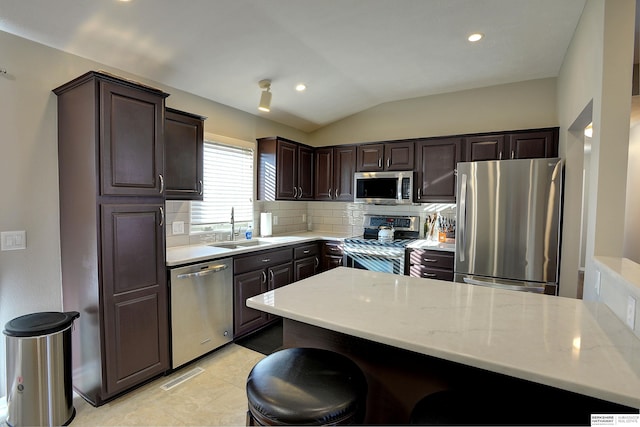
(463, 214)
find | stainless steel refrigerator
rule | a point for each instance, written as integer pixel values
(508, 224)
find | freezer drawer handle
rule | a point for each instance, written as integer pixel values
(209, 270)
(503, 285)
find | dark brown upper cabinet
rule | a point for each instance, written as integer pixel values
(436, 161)
(111, 167)
(334, 168)
(528, 144)
(533, 144)
(184, 149)
(389, 156)
(285, 170)
(131, 140)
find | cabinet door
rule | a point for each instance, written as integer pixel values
(135, 294)
(280, 275)
(488, 147)
(370, 158)
(245, 286)
(531, 145)
(344, 166)
(184, 140)
(286, 170)
(323, 185)
(399, 156)
(305, 174)
(436, 165)
(131, 141)
(305, 267)
(332, 255)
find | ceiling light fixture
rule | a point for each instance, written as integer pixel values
(301, 87)
(475, 37)
(265, 98)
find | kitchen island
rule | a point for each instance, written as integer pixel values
(415, 336)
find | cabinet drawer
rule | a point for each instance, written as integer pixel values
(432, 259)
(305, 251)
(256, 261)
(419, 270)
(332, 248)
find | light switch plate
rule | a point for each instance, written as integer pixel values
(13, 240)
(177, 227)
(631, 312)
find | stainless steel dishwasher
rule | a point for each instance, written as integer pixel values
(201, 309)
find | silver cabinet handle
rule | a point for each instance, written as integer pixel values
(161, 216)
(429, 275)
(299, 192)
(295, 192)
(266, 259)
(430, 260)
(419, 193)
(271, 276)
(380, 162)
(337, 193)
(306, 251)
(317, 262)
(200, 187)
(388, 162)
(513, 154)
(161, 182)
(264, 277)
(330, 193)
(209, 270)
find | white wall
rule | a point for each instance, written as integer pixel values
(524, 105)
(30, 279)
(596, 77)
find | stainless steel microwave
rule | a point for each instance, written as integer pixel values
(383, 188)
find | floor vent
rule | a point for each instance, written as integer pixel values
(182, 378)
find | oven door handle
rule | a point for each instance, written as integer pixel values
(349, 252)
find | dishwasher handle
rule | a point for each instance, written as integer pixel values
(205, 272)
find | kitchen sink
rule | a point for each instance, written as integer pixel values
(236, 244)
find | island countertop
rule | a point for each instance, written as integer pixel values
(561, 342)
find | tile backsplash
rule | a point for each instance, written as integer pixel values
(297, 216)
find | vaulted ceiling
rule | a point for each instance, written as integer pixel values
(351, 54)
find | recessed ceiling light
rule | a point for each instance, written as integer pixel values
(475, 37)
(300, 87)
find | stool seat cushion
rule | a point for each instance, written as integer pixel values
(305, 386)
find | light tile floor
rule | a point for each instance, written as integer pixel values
(216, 397)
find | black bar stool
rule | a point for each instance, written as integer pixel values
(306, 386)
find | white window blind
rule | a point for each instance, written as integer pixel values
(228, 182)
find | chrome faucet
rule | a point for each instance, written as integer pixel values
(233, 226)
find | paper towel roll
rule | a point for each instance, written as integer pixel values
(265, 224)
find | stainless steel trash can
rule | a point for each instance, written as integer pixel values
(39, 389)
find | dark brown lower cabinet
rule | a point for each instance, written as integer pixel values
(429, 264)
(306, 262)
(134, 294)
(255, 274)
(332, 255)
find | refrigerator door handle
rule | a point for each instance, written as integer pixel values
(463, 213)
(496, 284)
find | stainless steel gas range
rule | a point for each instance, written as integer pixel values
(371, 253)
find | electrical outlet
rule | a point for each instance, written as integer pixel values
(631, 312)
(177, 227)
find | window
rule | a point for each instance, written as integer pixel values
(228, 182)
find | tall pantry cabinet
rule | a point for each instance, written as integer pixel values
(111, 177)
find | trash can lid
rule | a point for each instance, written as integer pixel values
(35, 324)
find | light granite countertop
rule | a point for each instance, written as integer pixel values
(561, 342)
(180, 255)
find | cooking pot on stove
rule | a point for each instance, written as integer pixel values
(385, 234)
